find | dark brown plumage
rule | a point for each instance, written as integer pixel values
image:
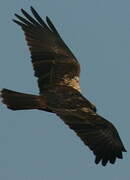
(58, 72)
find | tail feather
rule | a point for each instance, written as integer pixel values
(20, 101)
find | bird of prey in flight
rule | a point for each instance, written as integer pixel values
(58, 71)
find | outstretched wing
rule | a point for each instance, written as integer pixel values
(52, 60)
(80, 115)
(96, 132)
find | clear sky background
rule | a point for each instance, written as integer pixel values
(36, 145)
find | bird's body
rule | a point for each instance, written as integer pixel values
(58, 73)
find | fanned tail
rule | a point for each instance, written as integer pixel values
(20, 101)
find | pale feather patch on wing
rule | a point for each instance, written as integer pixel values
(73, 82)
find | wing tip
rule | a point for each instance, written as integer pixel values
(124, 150)
(32, 9)
(48, 20)
(112, 159)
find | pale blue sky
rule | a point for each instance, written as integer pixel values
(35, 145)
